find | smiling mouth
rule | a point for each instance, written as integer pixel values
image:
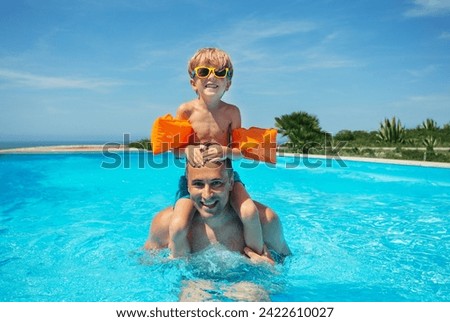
(211, 86)
(209, 205)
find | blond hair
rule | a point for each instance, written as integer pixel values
(210, 57)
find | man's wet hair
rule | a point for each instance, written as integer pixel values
(215, 163)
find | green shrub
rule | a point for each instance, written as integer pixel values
(141, 144)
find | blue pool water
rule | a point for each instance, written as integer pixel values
(72, 227)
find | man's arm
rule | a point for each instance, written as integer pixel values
(158, 236)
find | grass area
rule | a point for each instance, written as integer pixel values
(438, 154)
(415, 154)
(141, 144)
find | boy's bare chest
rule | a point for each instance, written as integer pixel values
(211, 127)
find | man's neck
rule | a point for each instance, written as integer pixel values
(219, 220)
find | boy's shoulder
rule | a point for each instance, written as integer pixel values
(189, 107)
(186, 106)
(230, 107)
(185, 109)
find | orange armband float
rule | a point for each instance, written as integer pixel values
(256, 143)
(169, 133)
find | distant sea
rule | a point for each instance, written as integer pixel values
(28, 144)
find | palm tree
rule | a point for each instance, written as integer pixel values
(430, 142)
(302, 129)
(430, 125)
(391, 131)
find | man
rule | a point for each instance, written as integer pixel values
(215, 221)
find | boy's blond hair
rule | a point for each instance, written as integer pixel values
(210, 56)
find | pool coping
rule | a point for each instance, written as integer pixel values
(428, 164)
(66, 149)
(118, 148)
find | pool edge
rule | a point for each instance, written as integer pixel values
(119, 148)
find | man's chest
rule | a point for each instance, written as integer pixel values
(231, 236)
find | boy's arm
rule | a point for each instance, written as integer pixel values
(234, 153)
(179, 228)
(230, 152)
(179, 247)
(217, 152)
(180, 115)
(189, 152)
(192, 153)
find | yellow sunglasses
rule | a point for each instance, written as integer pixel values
(204, 72)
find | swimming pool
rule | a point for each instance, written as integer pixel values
(72, 230)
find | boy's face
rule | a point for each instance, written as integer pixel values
(211, 86)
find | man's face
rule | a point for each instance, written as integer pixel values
(209, 187)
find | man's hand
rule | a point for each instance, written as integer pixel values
(256, 258)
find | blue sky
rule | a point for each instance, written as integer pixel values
(94, 70)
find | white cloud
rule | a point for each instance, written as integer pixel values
(47, 82)
(414, 109)
(423, 71)
(330, 63)
(425, 101)
(284, 45)
(445, 35)
(429, 8)
(255, 30)
(247, 35)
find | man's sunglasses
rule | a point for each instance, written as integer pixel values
(204, 72)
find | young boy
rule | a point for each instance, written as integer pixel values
(213, 120)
